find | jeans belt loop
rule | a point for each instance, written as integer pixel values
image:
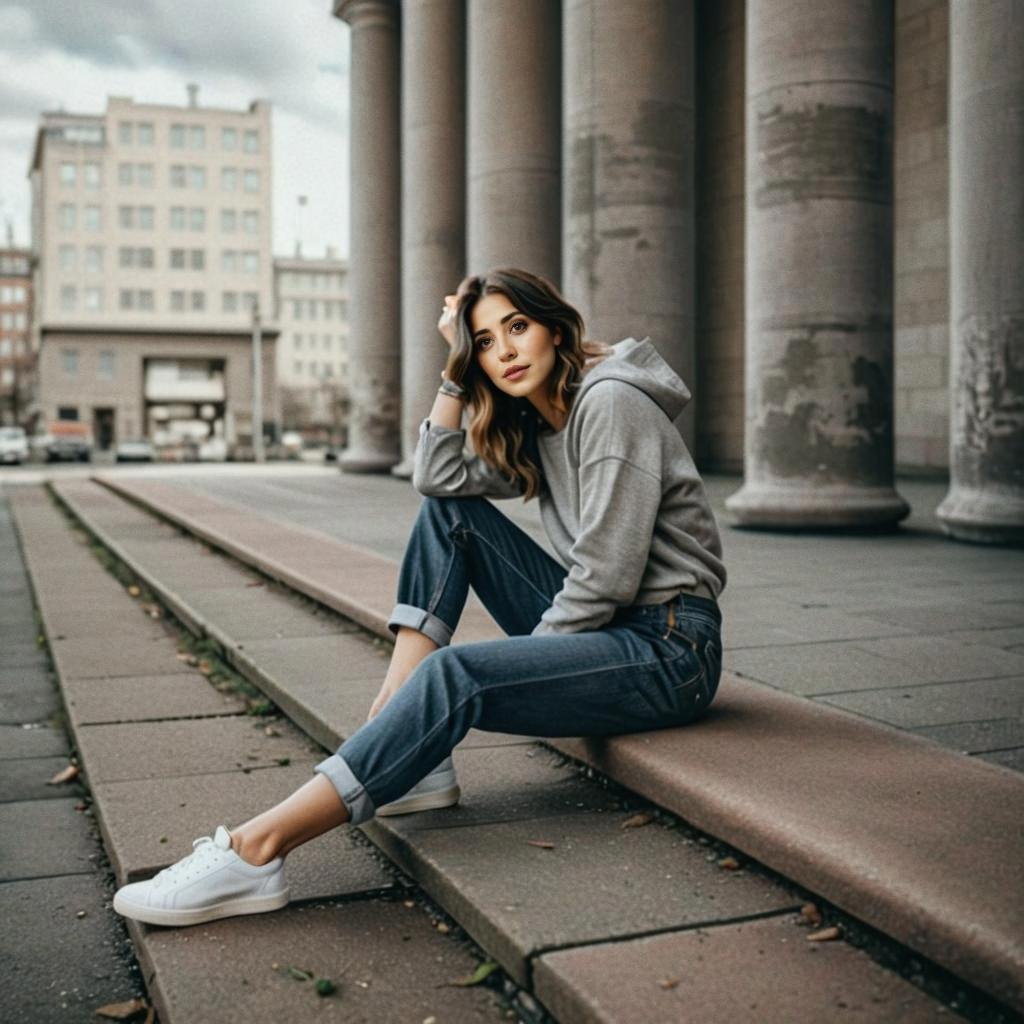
(671, 618)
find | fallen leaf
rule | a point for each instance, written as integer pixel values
(64, 775)
(271, 731)
(826, 935)
(298, 974)
(256, 583)
(639, 820)
(443, 928)
(542, 843)
(183, 656)
(729, 863)
(205, 667)
(121, 1011)
(667, 983)
(408, 903)
(810, 915)
(482, 972)
(134, 591)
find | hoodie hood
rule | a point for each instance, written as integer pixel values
(639, 363)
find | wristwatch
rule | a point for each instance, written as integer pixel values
(449, 387)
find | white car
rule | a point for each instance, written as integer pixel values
(13, 445)
(213, 449)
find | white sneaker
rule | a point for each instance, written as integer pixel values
(211, 882)
(438, 789)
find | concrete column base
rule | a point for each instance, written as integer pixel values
(810, 506)
(365, 462)
(983, 516)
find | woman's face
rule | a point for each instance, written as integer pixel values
(504, 339)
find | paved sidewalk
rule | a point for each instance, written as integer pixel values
(219, 599)
(63, 951)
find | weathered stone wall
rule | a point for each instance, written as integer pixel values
(922, 236)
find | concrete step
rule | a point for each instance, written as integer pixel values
(158, 781)
(871, 818)
(455, 871)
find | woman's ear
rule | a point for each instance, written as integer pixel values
(558, 336)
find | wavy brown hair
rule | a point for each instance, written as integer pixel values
(503, 428)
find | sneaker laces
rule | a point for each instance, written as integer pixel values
(202, 848)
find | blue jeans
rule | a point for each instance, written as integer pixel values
(633, 674)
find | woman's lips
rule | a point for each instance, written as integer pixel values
(516, 374)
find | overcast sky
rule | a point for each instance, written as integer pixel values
(72, 54)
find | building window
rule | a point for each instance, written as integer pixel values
(198, 302)
(228, 221)
(178, 218)
(125, 133)
(146, 218)
(229, 261)
(93, 218)
(94, 259)
(197, 218)
(68, 297)
(105, 364)
(67, 216)
(68, 255)
(177, 301)
(126, 174)
(197, 177)
(91, 174)
(298, 341)
(250, 221)
(68, 173)
(145, 258)
(229, 179)
(197, 137)
(126, 216)
(126, 298)
(146, 299)
(229, 302)
(69, 413)
(252, 141)
(126, 256)
(145, 133)
(144, 175)
(177, 136)
(250, 300)
(198, 259)
(177, 175)
(297, 305)
(251, 181)
(177, 259)
(250, 262)
(93, 299)
(228, 139)
(69, 364)
(297, 367)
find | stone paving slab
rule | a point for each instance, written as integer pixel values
(18, 654)
(600, 881)
(150, 823)
(16, 741)
(911, 707)
(78, 623)
(953, 616)
(39, 838)
(147, 698)
(763, 970)
(155, 750)
(1010, 638)
(389, 964)
(752, 773)
(97, 658)
(58, 967)
(27, 778)
(977, 737)
(25, 701)
(1013, 759)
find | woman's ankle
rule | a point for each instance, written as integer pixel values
(254, 850)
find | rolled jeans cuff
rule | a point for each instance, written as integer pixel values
(422, 621)
(350, 789)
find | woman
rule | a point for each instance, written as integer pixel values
(622, 634)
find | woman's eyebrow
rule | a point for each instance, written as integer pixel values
(508, 316)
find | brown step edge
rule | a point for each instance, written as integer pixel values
(924, 844)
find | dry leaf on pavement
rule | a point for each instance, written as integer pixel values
(134, 591)
(64, 775)
(542, 843)
(826, 935)
(810, 915)
(483, 971)
(121, 1011)
(639, 820)
(667, 983)
(729, 863)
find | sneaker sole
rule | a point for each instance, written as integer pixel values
(424, 802)
(181, 918)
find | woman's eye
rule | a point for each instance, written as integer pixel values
(523, 322)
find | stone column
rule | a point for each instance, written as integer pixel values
(986, 321)
(819, 271)
(433, 197)
(514, 134)
(628, 153)
(374, 303)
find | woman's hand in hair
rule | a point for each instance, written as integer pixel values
(446, 325)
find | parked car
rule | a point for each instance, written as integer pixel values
(65, 440)
(13, 445)
(136, 449)
(213, 449)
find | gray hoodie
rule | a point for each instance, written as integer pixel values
(622, 503)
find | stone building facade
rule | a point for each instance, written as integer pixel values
(17, 359)
(151, 233)
(780, 194)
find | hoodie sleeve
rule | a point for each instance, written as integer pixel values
(620, 494)
(441, 467)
